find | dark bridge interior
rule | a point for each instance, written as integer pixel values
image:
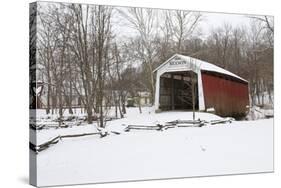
(176, 91)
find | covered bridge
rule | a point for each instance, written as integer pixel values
(214, 88)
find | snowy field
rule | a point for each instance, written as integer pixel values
(232, 148)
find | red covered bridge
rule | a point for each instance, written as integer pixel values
(214, 88)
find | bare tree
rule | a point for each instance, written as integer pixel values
(103, 29)
(82, 54)
(182, 25)
(145, 22)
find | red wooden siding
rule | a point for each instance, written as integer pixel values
(228, 97)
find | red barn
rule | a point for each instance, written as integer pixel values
(183, 81)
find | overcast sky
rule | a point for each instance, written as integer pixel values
(209, 21)
(213, 20)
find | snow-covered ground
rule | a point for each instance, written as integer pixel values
(260, 113)
(239, 147)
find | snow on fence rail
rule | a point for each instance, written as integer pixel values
(103, 132)
(53, 141)
(64, 122)
(44, 146)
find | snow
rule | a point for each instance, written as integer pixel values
(210, 67)
(259, 113)
(238, 147)
(203, 65)
(210, 110)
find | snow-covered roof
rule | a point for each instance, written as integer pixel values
(202, 65)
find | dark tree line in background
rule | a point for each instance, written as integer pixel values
(82, 52)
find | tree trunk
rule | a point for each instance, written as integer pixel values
(120, 110)
(193, 96)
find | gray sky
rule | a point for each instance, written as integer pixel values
(213, 20)
(209, 22)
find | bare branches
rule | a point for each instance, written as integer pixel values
(85, 58)
(268, 21)
(182, 25)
